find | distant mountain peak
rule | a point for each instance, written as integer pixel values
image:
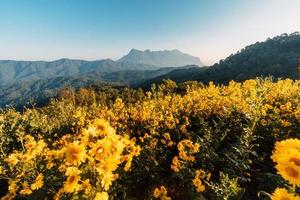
(133, 50)
(164, 58)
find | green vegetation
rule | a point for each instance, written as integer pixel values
(196, 141)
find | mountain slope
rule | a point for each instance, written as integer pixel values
(172, 58)
(12, 71)
(39, 91)
(180, 75)
(275, 57)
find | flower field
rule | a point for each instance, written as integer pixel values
(187, 141)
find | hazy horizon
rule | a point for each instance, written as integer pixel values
(93, 30)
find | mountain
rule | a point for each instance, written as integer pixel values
(276, 57)
(36, 81)
(12, 71)
(40, 91)
(172, 58)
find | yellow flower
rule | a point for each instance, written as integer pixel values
(156, 193)
(26, 191)
(186, 148)
(12, 159)
(49, 165)
(208, 176)
(86, 186)
(99, 150)
(263, 122)
(58, 194)
(287, 144)
(40, 146)
(198, 184)
(30, 142)
(285, 123)
(161, 193)
(287, 157)
(284, 149)
(175, 166)
(75, 153)
(167, 136)
(107, 180)
(38, 183)
(12, 188)
(62, 168)
(197, 180)
(283, 194)
(290, 172)
(101, 196)
(71, 185)
(103, 128)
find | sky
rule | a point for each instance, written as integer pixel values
(99, 29)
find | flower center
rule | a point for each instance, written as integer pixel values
(74, 155)
(295, 160)
(292, 172)
(285, 198)
(72, 179)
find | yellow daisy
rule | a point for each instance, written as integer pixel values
(283, 146)
(103, 128)
(26, 191)
(283, 194)
(287, 157)
(71, 185)
(290, 172)
(38, 183)
(86, 186)
(101, 196)
(75, 153)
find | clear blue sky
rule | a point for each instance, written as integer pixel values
(96, 29)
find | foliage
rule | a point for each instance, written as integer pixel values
(186, 141)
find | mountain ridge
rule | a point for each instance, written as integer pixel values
(162, 58)
(19, 70)
(276, 57)
(11, 71)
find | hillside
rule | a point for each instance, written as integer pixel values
(40, 91)
(37, 81)
(275, 57)
(12, 71)
(166, 58)
(183, 74)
